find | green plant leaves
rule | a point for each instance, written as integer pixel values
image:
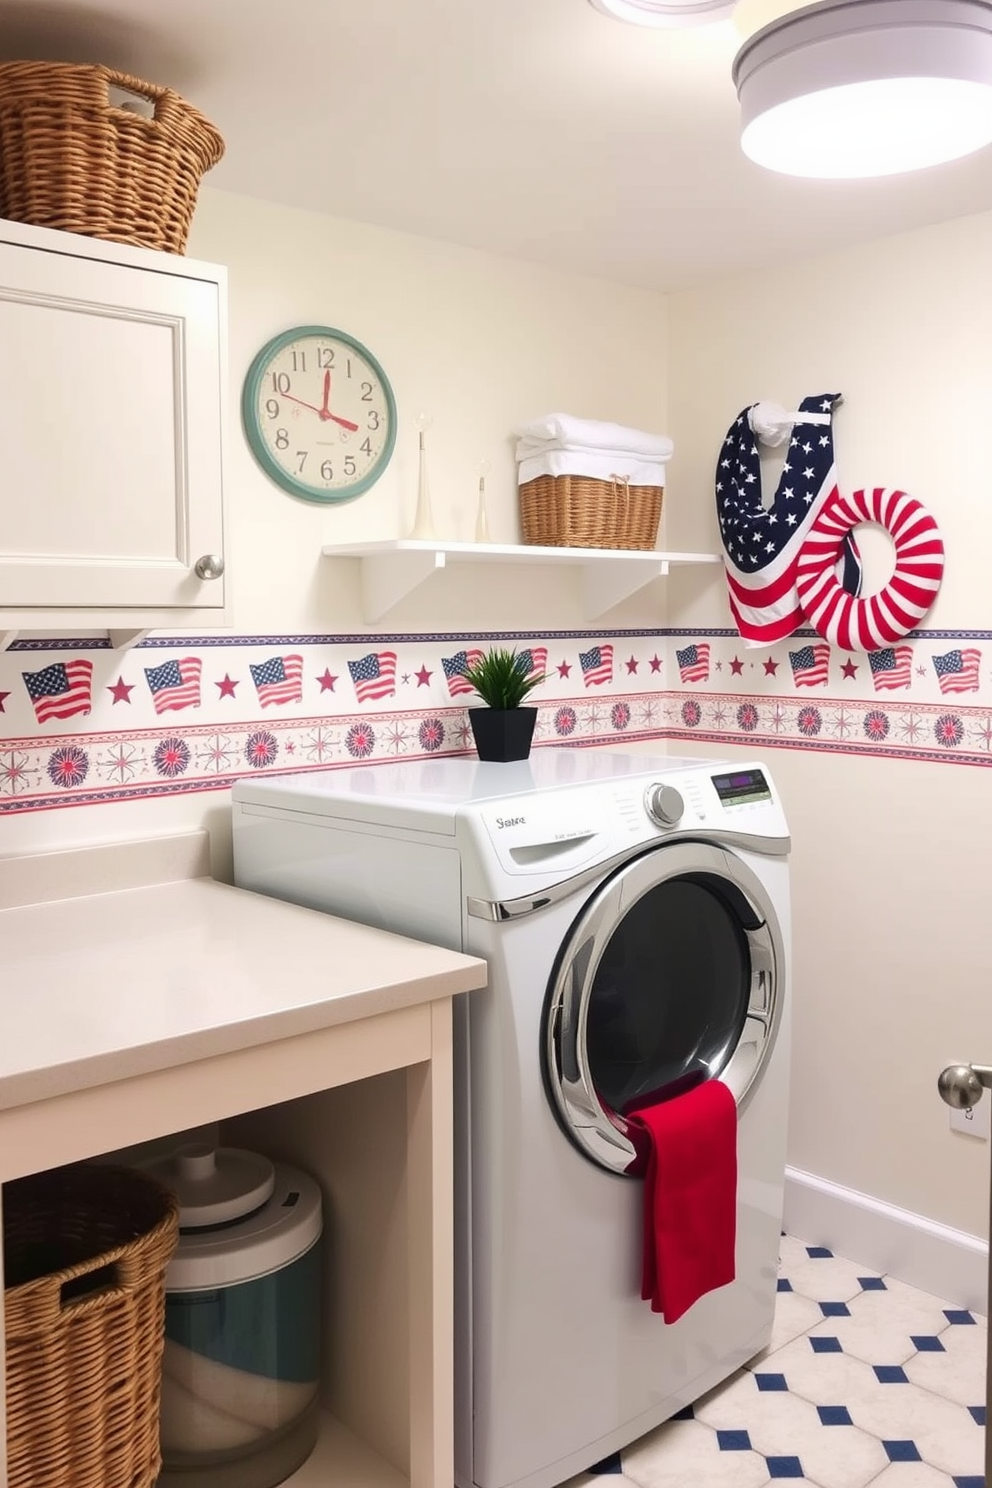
(501, 680)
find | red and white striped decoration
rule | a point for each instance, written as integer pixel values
(867, 624)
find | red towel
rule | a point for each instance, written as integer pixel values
(689, 1148)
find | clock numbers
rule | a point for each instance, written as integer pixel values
(319, 414)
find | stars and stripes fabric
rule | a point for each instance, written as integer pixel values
(61, 690)
(694, 662)
(374, 676)
(278, 680)
(891, 667)
(175, 684)
(810, 665)
(597, 665)
(455, 667)
(881, 619)
(533, 660)
(957, 671)
(762, 544)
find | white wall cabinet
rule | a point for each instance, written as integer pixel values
(112, 397)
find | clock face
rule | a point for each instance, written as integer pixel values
(319, 414)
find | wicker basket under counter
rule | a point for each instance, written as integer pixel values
(84, 1339)
(579, 511)
(71, 159)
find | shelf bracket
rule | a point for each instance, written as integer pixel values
(389, 577)
(7, 638)
(123, 640)
(606, 584)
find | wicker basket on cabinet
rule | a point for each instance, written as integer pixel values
(84, 1340)
(578, 511)
(71, 159)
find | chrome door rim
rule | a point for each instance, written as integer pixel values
(599, 1133)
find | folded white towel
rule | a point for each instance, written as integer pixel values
(596, 463)
(562, 431)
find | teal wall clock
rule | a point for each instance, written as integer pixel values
(319, 413)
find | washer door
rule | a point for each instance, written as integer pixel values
(671, 975)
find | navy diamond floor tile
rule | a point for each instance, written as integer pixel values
(835, 1309)
(872, 1284)
(687, 1413)
(958, 1315)
(977, 1413)
(890, 1374)
(770, 1382)
(733, 1441)
(784, 1467)
(926, 1344)
(784, 1285)
(826, 1346)
(819, 1253)
(902, 1451)
(834, 1415)
(976, 1482)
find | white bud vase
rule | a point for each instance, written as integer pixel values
(423, 523)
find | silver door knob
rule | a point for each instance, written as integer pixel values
(961, 1085)
(210, 566)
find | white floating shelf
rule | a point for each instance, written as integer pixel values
(392, 570)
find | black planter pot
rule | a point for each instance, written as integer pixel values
(502, 733)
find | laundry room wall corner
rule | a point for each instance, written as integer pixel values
(887, 788)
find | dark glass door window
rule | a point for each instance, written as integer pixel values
(670, 995)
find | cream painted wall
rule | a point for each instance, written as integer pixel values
(478, 342)
(893, 964)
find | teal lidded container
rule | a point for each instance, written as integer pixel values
(241, 1367)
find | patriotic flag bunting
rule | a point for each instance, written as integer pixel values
(175, 684)
(694, 662)
(810, 666)
(891, 667)
(762, 544)
(456, 666)
(374, 676)
(597, 665)
(278, 680)
(957, 671)
(61, 690)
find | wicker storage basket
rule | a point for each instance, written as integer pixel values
(84, 1340)
(578, 511)
(69, 159)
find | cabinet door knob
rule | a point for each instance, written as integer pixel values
(210, 566)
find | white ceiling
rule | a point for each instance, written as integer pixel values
(536, 128)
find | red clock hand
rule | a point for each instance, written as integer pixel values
(345, 423)
(325, 411)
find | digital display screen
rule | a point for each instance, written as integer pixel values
(741, 787)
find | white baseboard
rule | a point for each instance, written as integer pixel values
(947, 1263)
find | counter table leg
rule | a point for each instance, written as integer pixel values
(431, 1260)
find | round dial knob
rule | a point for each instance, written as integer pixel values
(664, 804)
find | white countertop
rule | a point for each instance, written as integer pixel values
(101, 987)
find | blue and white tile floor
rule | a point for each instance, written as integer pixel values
(866, 1380)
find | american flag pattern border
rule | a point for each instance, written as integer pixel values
(121, 750)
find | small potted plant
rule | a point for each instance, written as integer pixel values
(504, 728)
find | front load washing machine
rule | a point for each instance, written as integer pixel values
(634, 913)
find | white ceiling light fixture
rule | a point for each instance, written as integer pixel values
(858, 88)
(669, 13)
